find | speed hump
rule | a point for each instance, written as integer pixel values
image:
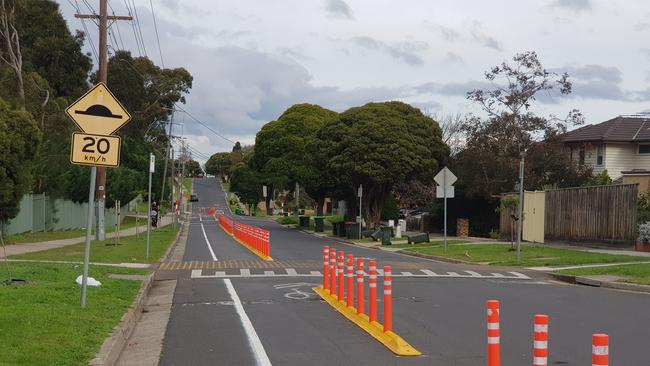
(100, 150)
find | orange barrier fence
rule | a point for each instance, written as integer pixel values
(540, 340)
(226, 223)
(600, 350)
(255, 238)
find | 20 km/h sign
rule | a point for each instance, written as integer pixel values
(98, 111)
(98, 150)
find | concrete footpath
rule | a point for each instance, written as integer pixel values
(46, 245)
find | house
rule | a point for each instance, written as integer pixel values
(621, 146)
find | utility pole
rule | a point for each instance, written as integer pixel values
(169, 144)
(521, 205)
(100, 186)
(173, 190)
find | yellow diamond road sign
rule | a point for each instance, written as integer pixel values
(98, 111)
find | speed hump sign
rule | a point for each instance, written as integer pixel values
(101, 150)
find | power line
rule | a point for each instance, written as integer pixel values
(155, 27)
(135, 33)
(83, 24)
(137, 22)
(181, 108)
(119, 34)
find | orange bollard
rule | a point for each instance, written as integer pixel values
(388, 299)
(349, 296)
(326, 264)
(333, 272)
(340, 275)
(540, 341)
(372, 291)
(493, 333)
(600, 350)
(360, 305)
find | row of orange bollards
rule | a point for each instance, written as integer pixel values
(600, 342)
(336, 269)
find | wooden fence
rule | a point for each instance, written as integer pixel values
(603, 213)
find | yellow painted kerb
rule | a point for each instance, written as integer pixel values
(391, 340)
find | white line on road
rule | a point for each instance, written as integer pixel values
(253, 340)
(207, 242)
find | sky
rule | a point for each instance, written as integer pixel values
(251, 60)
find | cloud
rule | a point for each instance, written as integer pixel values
(575, 5)
(449, 34)
(453, 58)
(477, 33)
(602, 83)
(404, 51)
(338, 9)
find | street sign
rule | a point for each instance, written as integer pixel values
(97, 150)
(98, 112)
(264, 191)
(152, 163)
(440, 192)
(440, 177)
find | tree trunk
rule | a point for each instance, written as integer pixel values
(320, 203)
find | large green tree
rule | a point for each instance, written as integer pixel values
(246, 184)
(219, 165)
(19, 139)
(285, 151)
(379, 145)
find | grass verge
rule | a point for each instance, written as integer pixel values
(132, 249)
(41, 322)
(632, 273)
(424, 245)
(42, 236)
(187, 183)
(531, 255)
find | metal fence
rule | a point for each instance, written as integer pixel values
(38, 212)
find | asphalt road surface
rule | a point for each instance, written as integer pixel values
(231, 308)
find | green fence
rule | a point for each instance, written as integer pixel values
(38, 212)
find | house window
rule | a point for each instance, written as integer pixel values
(600, 153)
(582, 155)
(644, 149)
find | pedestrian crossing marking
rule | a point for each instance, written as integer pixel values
(292, 272)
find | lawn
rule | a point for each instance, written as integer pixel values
(424, 245)
(64, 234)
(132, 249)
(633, 273)
(187, 183)
(531, 255)
(41, 322)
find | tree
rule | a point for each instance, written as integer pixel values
(285, 151)
(415, 194)
(11, 52)
(378, 145)
(496, 142)
(19, 139)
(219, 165)
(245, 182)
(193, 168)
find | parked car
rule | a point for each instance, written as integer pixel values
(194, 197)
(410, 212)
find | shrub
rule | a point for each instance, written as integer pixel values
(287, 220)
(644, 232)
(494, 234)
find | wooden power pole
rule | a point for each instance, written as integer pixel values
(100, 186)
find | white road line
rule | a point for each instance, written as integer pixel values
(245, 272)
(207, 242)
(474, 274)
(428, 272)
(261, 358)
(291, 272)
(269, 273)
(519, 275)
(201, 218)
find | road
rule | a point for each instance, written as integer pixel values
(231, 308)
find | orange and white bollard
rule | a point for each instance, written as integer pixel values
(372, 291)
(349, 295)
(360, 304)
(332, 272)
(493, 334)
(326, 267)
(340, 275)
(540, 340)
(600, 350)
(388, 299)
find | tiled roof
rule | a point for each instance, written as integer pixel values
(619, 129)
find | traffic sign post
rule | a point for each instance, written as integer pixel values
(152, 168)
(445, 178)
(98, 114)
